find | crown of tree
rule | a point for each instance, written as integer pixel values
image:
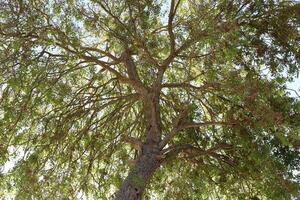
(177, 99)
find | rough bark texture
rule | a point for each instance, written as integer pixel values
(134, 185)
(150, 158)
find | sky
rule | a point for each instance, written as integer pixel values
(295, 85)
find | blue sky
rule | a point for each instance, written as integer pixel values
(295, 85)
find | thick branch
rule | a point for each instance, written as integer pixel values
(132, 72)
(130, 66)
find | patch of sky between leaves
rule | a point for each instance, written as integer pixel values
(292, 87)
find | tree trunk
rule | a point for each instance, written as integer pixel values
(134, 185)
(149, 160)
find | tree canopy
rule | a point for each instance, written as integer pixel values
(163, 99)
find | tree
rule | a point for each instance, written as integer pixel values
(105, 98)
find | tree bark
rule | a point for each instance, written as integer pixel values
(150, 157)
(134, 185)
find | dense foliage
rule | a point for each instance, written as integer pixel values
(76, 77)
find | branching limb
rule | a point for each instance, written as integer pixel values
(192, 151)
(180, 124)
(176, 127)
(135, 83)
(173, 52)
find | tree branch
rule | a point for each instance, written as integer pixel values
(172, 13)
(132, 71)
(176, 128)
(193, 151)
(181, 125)
(196, 125)
(188, 85)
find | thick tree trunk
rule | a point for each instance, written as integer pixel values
(150, 158)
(134, 185)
